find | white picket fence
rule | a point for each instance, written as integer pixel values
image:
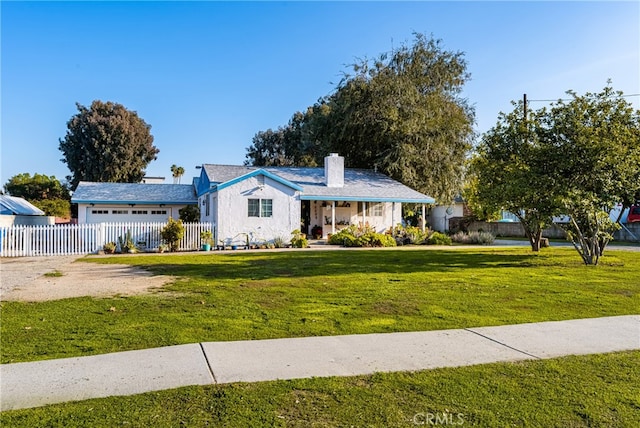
(78, 239)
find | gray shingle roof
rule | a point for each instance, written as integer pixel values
(12, 205)
(88, 192)
(359, 184)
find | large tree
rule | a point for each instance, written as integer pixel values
(508, 172)
(578, 158)
(593, 152)
(107, 143)
(400, 113)
(45, 192)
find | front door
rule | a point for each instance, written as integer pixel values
(306, 216)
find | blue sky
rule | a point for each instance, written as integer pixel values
(208, 75)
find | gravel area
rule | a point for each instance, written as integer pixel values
(24, 279)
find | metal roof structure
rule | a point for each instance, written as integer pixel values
(12, 205)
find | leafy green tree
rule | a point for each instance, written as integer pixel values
(267, 149)
(45, 192)
(107, 143)
(401, 114)
(593, 156)
(578, 158)
(190, 214)
(508, 172)
(36, 188)
(54, 207)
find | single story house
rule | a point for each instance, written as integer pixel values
(268, 202)
(131, 202)
(259, 203)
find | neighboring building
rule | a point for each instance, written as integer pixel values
(152, 180)
(440, 215)
(119, 202)
(18, 211)
(269, 202)
(261, 203)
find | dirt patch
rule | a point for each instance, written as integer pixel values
(25, 279)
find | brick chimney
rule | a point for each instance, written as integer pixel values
(334, 170)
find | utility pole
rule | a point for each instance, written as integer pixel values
(524, 99)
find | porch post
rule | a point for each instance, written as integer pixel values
(393, 214)
(364, 213)
(424, 219)
(333, 217)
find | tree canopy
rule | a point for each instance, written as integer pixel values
(45, 192)
(579, 157)
(509, 172)
(400, 113)
(107, 143)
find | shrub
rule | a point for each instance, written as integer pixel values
(478, 238)
(126, 244)
(437, 238)
(405, 235)
(109, 247)
(279, 242)
(361, 236)
(172, 233)
(299, 240)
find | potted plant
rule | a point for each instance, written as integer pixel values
(206, 238)
(316, 232)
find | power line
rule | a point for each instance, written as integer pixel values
(570, 99)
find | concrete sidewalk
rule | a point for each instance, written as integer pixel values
(24, 385)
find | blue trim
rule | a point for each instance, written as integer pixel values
(367, 199)
(267, 174)
(136, 202)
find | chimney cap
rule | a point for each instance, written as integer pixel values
(334, 155)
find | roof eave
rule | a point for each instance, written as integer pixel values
(134, 202)
(366, 199)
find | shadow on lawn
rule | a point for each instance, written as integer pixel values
(308, 264)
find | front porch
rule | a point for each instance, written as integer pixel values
(321, 217)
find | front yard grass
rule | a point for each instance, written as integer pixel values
(263, 295)
(578, 391)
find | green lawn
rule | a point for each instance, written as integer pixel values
(579, 391)
(242, 295)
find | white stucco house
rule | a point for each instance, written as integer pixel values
(269, 202)
(261, 203)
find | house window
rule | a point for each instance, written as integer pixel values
(99, 211)
(120, 212)
(139, 212)
(158, 212)
(260, 207)
(207, 201)
(266, 207)
(375, 210)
